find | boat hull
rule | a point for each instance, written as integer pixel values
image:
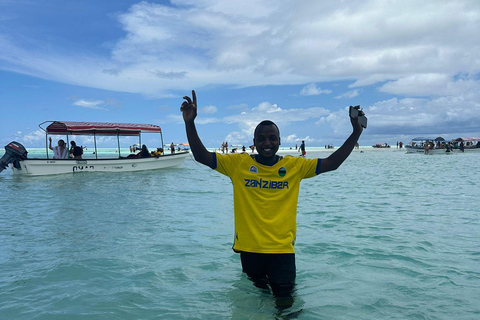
(468, 150)
(411, 149)
(41, 167)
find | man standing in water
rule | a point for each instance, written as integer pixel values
(302, 148)
(265, 192)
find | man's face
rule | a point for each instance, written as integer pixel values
(267, 140)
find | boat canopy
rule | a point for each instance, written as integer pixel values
(467, 139)
(422, 139)
(428, 139)
(98, 128)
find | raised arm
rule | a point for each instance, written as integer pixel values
(50, 143)
(189, 110)
(336, 159)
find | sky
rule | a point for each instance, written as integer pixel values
(413, 66)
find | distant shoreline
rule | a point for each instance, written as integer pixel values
(36, 151)
(313, 149)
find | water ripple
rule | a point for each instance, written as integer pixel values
(393, 240)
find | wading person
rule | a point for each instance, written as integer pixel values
(302, 148)
(265, 193)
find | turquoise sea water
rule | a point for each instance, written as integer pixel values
(387, 236)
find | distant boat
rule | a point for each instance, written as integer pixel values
(16, 154)
(178, 147)
(435, 146)
(381, 145)
(467, 144)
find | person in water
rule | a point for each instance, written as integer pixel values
(265, 192)
(302, 148)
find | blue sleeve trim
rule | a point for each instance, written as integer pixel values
(317, 170)
(214, 160)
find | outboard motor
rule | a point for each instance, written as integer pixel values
(14, 152)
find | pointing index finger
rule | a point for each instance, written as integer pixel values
(194, 96)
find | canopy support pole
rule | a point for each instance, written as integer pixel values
(118, 142)
(95, 142)
(46, 144)
(68, 148)
(161, 138)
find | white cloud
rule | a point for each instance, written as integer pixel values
(175, 118)
(266, 107)
(203, 120)
(337, 121)
(291, 138)
(178, 119)
(247, 121)
(348, 95)
(235, 138)
(90, 104)
(294, 139)
(431, 85)
(249, 43)
(313, 90)
(33, 137)
(308, 139)
(208, 110)
(416, 116)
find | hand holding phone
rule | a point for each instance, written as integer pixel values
(355, 112)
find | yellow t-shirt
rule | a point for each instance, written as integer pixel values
(265, 200)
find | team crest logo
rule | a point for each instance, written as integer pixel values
(282, 172)
(253, 169)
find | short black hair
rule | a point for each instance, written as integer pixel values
(266, 123)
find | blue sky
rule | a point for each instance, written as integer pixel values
(412, 65)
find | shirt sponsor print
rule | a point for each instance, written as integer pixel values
(266, 184)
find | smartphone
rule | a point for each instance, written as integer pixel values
(361, 119)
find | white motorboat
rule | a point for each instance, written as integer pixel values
(429, 146)
(16, 154)
(467, 144)
(381, 145)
